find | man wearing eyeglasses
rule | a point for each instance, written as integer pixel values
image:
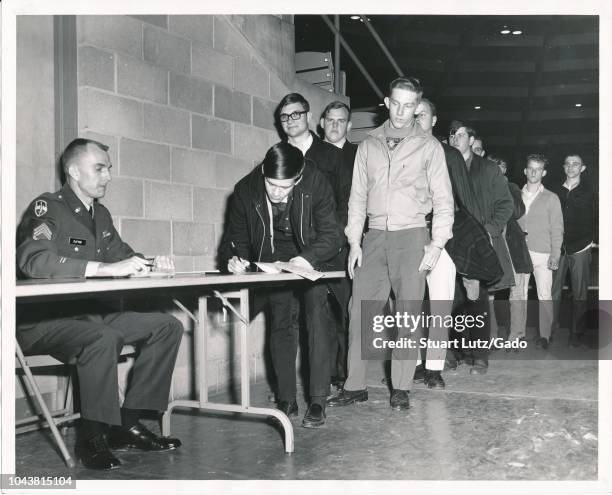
(580, 220)
(400, 174)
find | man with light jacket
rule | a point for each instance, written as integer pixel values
(399, 175)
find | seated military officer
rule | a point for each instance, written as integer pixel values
(70, 234)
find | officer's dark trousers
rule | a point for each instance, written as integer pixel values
(341, 290)
(96, 343)
(284, 339)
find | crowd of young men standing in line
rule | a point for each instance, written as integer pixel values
(402, 212)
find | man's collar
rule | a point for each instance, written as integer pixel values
(75, 203)
(339, 144)
(305, 145)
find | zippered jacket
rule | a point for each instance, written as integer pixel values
(313, 220)
(397, 189)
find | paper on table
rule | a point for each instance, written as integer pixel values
(278, 266)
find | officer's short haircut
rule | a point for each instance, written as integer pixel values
(456, 124)
(77, 147)
(283, 161)
(409, 83)
(294, 98)
(537, 157)
(432, 107)
(336, 105)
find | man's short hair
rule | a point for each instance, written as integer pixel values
(294, 98)
(456, 124)
(409, 83)
(574, 154)
(537, 157)
(432, 107)
(76, 148)
(336, 105)
(283, 161)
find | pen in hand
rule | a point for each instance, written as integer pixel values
(245, 263)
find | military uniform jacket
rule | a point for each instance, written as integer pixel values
(57, 237)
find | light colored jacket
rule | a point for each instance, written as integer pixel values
(543, 224)
(396, 189)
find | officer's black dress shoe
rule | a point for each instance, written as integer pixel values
(433, 379)
(140, 438)
(347, 397)
(289, 407)
(314, 417)
(419, 374)
(450, 365)
(400, 400)
(542, 343)
(94, 453)
(480, 367)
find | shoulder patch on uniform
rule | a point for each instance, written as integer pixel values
(42, 232)
(40, 207)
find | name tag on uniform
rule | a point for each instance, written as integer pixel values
(77, 242)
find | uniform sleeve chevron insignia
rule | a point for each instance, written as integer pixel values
(42, 232)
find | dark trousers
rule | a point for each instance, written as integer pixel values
(284, 337)
(96, 342)
(341, 292)
(579, 267)
(470, 336)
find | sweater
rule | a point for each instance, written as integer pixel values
(543, 224)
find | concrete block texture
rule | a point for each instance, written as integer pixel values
(251, 77)
(190, 93)
(141, 79)
(193, 239)
(211, 134)
(115, 32)
(109, 114)
(113, 148)
(213, 65)
(209, 205)
(194, 167)
(263, 113)
(96, 68)
(156, 20)
(227, 38)
(278, 89)
(167, 201)
(197, 28)
(166, 50)
(166, 124)
(230, 170)
(149, 237)
(141, 159)
(232, 105)
(250, 143)
(124, 197)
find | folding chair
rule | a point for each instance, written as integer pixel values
(51, 418)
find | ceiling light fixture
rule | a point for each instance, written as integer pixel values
(355, 17)
(505, 31)
(517, 31)
(477, 107)
(578, 105)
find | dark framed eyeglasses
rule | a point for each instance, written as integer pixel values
(284, 117)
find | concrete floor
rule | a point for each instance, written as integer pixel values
(532, 417)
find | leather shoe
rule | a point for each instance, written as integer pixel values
(433, 379)
(542, 343)
(480, 367)
(140, 438)
(94, 453)
(400, 400)
(347, 397)
(314, 417)
(290, 408)
(419, 374)
(450, 364)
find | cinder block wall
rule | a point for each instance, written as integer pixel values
(186, 104)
